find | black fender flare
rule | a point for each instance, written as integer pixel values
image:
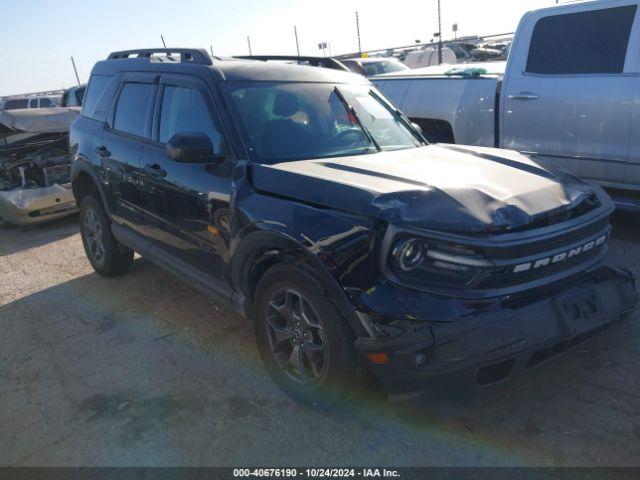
(273, 246)
(83, 165)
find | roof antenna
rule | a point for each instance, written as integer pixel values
(165, 45)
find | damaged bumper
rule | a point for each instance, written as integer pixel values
(35, 205)
(493, 346)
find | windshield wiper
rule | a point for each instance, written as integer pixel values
(353, 112)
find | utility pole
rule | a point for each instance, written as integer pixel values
(358, 28)
(211, 49)
(73, 62)
(162, 38)
(249, 44)
(439, 36)
(295, 32)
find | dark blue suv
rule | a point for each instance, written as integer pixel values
(304, 199)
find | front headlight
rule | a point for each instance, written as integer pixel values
(409, 254)
(422, 262)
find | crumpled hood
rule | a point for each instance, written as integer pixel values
(446, 187)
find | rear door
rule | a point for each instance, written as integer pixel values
(568, 87)
(187, 204)
(120, 144)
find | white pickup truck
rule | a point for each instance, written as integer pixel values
(569, 93)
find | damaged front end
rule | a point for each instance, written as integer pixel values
(35, 166)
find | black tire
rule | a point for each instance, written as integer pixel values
(332, 378)
(108, 257)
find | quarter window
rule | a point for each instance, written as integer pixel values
(184, 110)
(593, 42)
(132, 108)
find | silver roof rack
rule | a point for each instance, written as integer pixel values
(187, 55)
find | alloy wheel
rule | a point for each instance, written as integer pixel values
(296, 337)
(93, 236)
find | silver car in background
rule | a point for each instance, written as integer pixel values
(35, 165)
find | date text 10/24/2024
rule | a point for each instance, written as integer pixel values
(316, 473)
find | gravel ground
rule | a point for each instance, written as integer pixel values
(143, 370)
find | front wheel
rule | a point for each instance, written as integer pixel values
(106, 255)
(304, 342)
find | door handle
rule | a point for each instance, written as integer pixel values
(524, 96)
(155, 170)
(103, 151)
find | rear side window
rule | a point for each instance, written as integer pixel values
(16, 104)
(581, 43)
(33, 103)
(185, 111)
(132, 108)
(97, 87)
(46, 103)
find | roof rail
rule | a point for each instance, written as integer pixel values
(187, 55)
(324, 62)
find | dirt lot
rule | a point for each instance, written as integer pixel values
(144, 370)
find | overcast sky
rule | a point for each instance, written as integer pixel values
(39, 36)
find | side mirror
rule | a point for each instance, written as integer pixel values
(190, 148)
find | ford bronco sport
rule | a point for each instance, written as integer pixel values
(307, 202)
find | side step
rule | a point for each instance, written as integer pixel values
(218, 290)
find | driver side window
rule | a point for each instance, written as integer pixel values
(184, 110)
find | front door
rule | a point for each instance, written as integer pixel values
(187, 204)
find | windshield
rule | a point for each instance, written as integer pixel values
(296, 121)
(385, 66)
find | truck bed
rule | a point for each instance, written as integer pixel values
(426, 95)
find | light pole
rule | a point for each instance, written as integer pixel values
(75, 70)
(439, 36)
(358, 29)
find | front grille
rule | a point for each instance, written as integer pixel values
(507, 277)
(548, 244)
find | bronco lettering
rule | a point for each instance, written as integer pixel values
(560, 257)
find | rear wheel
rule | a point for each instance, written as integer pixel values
(306, 345)
(108, 257)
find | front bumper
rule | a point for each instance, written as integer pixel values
(493, 346)
(36, 205)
